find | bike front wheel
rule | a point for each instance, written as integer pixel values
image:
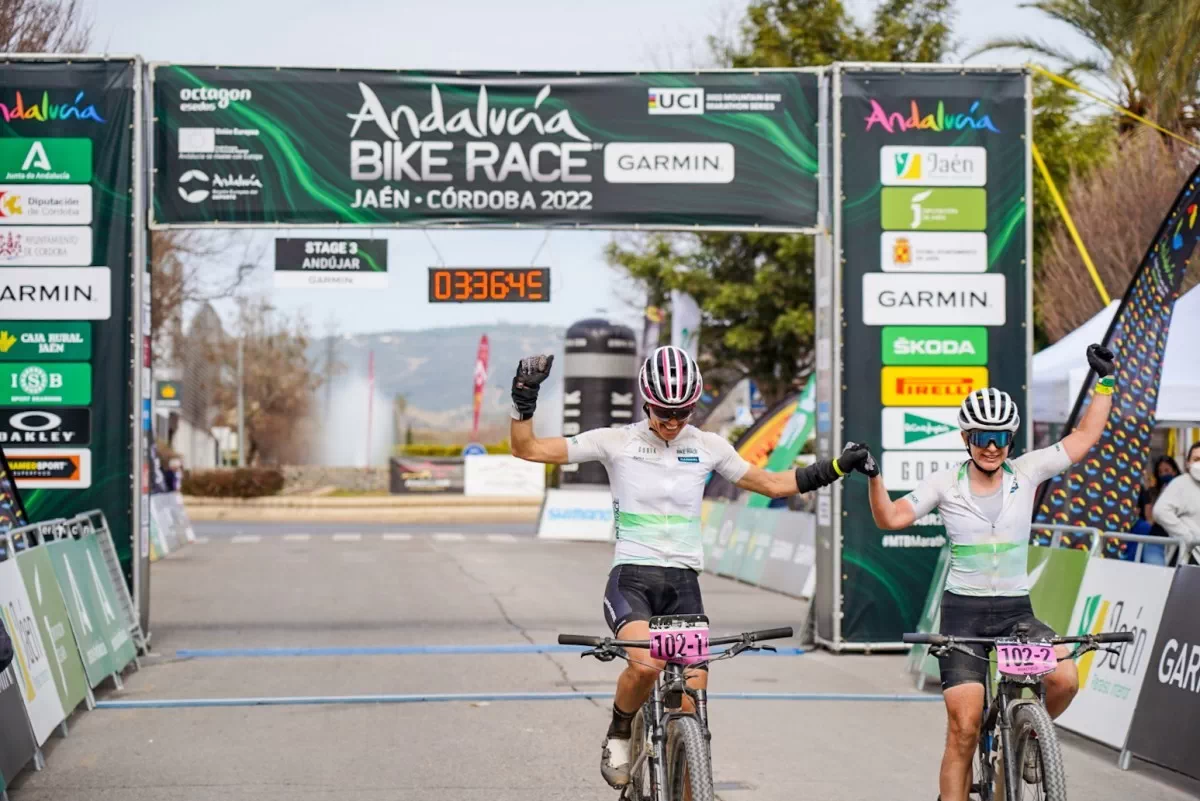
(689, 769)
(1040, 772)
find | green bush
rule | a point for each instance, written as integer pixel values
(239, 482)
(446, 451)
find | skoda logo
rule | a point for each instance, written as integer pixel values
(195, 195)
(35, 421)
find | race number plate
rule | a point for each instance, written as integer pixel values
(1025, 658)
(682, 639)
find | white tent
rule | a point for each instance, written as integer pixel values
(1059, 370)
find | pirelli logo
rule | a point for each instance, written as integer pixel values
(930, 386)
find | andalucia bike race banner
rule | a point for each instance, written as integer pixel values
(934, 254)
(66, 235)
(1099, 491)
(253, 146)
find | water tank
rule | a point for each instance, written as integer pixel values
(599, 367)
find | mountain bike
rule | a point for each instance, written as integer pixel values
(1013, 724)
(670, 757)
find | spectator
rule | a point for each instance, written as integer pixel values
(6, 648)
(1177, 509)
(1165, 469)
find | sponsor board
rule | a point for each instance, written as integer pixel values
(69, 293)
(933, 209)
(904, 470)
(669, 163)
(60, 160)
(934, 345)
(898, 299)
(1166, 723)
(57, 426)
(47, 246)
(53, 384)
(577, 515)
(294, 280)
(167, 395)
(1115, 596)
(502, 475)
(66, 341)
(50, 468)
(930, 386)
(926, 428)
(675, 101)
(933, 252)
(65, 204)
(331, 263)
(932, 166)
(33, 662)
(198, 186)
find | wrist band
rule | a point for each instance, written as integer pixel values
(1106, 385)
(837, 468)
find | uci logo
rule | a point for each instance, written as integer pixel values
(675, 101)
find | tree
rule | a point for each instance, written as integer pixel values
(43, 26)
(755, 290)
(1137, 188)
(280, 382)
(1144, 54)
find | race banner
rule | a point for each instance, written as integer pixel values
(932, 249)
(110, 620)
(34, 664)
(360, 263)
(1099, 490)
(425, 475)
(50, 611)
(67, 198)
(795, 435)
(70, 568)
(322, 147)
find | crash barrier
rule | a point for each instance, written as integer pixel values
(1078, 591)
(72, 624)
(170, 527)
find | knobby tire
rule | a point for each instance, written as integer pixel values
(688, 762)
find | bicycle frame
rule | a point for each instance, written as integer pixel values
(997, 716)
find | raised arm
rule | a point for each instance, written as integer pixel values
(1091, 427)
(531, 372)
(803, 479)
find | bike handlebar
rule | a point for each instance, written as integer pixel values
(942, 639)
(780, 633)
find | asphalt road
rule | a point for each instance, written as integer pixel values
(364, 594)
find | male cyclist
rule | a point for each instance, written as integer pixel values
(987, 507)
(657, 470)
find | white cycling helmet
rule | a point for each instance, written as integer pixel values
(988, 409)
(670, 379)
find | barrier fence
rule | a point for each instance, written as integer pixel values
(69, 614)
(1124, 697)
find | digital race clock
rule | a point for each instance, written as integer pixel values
(489, 284)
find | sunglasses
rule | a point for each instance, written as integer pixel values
(660, 413)
(981, 439)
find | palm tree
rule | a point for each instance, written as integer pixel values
(1146, 53)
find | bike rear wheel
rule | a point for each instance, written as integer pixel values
(1036, 745)
(689, 769)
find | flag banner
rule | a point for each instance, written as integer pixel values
(1099, 491)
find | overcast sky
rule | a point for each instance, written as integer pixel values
(470, 34)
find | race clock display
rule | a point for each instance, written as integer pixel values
(489, 284)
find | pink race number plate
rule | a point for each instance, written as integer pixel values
(1025, 658)
(683, 646)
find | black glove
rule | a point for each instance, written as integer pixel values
(531, 372)
(858, 457)
(1100, 359)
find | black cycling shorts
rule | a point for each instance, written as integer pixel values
(640, 592)
(982, 616)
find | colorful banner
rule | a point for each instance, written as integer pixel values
(35, 663)
(757, 443)
(930, 238)
(329, 147)
(795, 434)
(1099, 490)
(66, 332)
(480, 383)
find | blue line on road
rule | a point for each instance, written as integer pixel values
(178, 703)
(409, 650)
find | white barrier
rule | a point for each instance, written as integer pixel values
(577, 514)
(503, 475)
(1115, 596)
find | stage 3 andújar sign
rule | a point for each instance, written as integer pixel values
(321, 263)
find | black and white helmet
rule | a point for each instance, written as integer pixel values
(670, 379)
(988, 409)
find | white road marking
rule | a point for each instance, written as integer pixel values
(343, 537)
(393, 536)
(297, 537)
(449, 537)
(505, 538)
(202, 540)
(246, 539)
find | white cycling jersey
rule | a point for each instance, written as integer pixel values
(657, 488)
(989, 558)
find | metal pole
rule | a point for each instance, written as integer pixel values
(370, 403)
(241, 402)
